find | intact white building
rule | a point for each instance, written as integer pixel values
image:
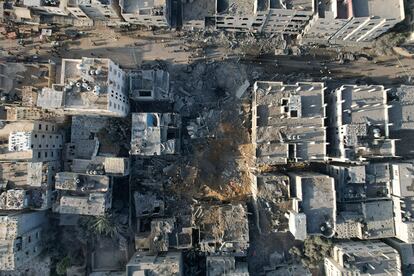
(353, 20)
(147, 13)
(31, 141)
(92, 86)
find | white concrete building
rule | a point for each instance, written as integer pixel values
(31, 141)
(288, 122)
(313, 205)
(353, 20)
(147, 13)
(91, 86)
(403, 201)
(363, 258)
(359, 124)
(149, 85)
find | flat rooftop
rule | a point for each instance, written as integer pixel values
(289, 122)
(134, 6)
(85, 82)
(381, 8)
(83, 183)
(299, 5)
(318, 200)
(236, 7)
(198, 10)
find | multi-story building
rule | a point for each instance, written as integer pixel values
(92, 86)
(353, 21)
(363, 258)
(35, 141)
(313, 205)
(155, 134)
(21, 238)
(83, 194)
(403, 200)
(359, 124)
(401, 114)
(288, 122)
(155, 13)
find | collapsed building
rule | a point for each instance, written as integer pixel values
(352, 21)
(155, 134)
(83, 194)
(273, 200)
(223, 229)
(359, 124)
(92, 86)
(288, 123)
(21, 239)
(363, 257)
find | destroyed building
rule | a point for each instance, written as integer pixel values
(363, 258)
(273, 199)
(152, 13)
(352, 21)
(401, 116)
(143, 263)
(149, 85)
(225, 265)
(359, 124)
(165, 234)
(91, 86)
(288, 122)
(155, 134)
(21, 238)
(27, 185)
(35, 141)
(223, 228)
(83, 194)
(313, 206)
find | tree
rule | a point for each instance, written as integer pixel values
(104, 225)
(63, 265)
